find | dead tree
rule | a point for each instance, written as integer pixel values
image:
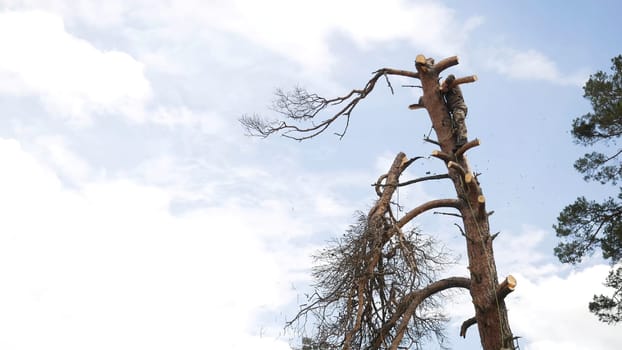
(376, 287)
(384, 325)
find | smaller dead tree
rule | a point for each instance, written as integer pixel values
(377, 286)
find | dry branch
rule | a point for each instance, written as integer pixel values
(300, 105)
(434, 142)
(438, 203)
(379, 184)
(372, 285)
(424, 178)
(446, 63)
(409, 304)
(431, 289)
(467, 146)
(415, 106)
(465, 325)
(506, 287)
(462, 80)
(408, 163)
(441, 155)
(447, 214)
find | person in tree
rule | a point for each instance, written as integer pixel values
(457, 108)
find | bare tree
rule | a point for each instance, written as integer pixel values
(377, 288)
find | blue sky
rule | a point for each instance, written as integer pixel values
(137, 215)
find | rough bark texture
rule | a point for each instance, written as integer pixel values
(490, 312)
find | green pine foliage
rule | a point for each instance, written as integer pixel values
(586, 226)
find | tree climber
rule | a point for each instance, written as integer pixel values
(457, 108)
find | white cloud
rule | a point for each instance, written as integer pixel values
(552, 313)
(98, 13)
(278, 186)
(71, 76)
(109, 266)
(208, 123)
(550, 294)
(536, 264)
(55, 151)
(298, 30)
(530, 65)
(304, 29)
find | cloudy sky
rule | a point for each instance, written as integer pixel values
(135, 214)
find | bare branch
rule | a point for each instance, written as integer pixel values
(404, 73)
(433, 204)
(446, 283)
(375, 278)
(409, 304)
(258, 126)
(467, 146)
(448, 214)
(506, 287)
(424, 178)
(446, 63)
(465, 325)
(367, 282)
(409, 162)
(420, 295)
(461, 230)
(301, 106)
(434, 142)
(462, 80)
(389, 84)
(415, 106)
(441, 155)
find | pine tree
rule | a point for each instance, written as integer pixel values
(586, 226)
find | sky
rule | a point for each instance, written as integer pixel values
(135, 213)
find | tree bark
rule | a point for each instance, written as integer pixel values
(490, 311)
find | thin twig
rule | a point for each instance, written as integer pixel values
(425, 178)
(449, 214)
(386, 77)
(427, 139)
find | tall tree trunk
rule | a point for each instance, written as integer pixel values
(487, 294)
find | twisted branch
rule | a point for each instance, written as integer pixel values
(301, 105)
